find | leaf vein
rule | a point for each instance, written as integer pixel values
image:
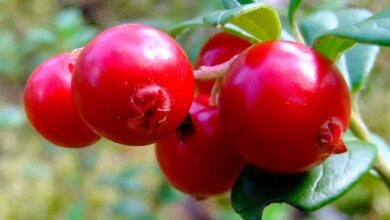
(316, 182)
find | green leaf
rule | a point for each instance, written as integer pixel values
(255, 22)
(374, 30)
(359, 60)
(181, 27)
(261, 21)
(333, 47)
(277, 211)
(229, 4)
(317, 24)
(309, 191)
(292, 8)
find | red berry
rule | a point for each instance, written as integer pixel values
(49, 105)
(218, 49)
(133, 84)
(285, 106)
(198, 159)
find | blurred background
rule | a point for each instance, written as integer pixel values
(110, 181)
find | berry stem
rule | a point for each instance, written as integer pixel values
(297, 33)
(215, 91)
(360, 129)
(76, 52)
(213, 72)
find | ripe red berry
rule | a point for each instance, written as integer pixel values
(218, 49)
(133, 84)
(49, 105)
(198, 159)
(285, 106)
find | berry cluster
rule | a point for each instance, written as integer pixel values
(281, 105)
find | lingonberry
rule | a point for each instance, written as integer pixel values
(133, 84)
(198, 159)
(285, 106)
(218, 49)
(49, 106)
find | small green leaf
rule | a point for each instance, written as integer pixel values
(374, 30)
(181, 27)
(255, 22)
(238, 32)
(245, 2)
(317, 24)
(229, 4)
(309, 191)
(214, 18)
(333, 47)
(261, 21)
(359, 60)
(292, 8)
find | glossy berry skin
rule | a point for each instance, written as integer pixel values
(49, 106)
(218, 49)
(202, 163)
(285, 106)
(133, 84)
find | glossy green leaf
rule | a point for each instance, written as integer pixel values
(229, 4)
(317, 24)
(182, 26)
(261, 21)
(255, 189)
(255, 22)
(333, 47)
(374, 30)
(292, 8)
(359, 60)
